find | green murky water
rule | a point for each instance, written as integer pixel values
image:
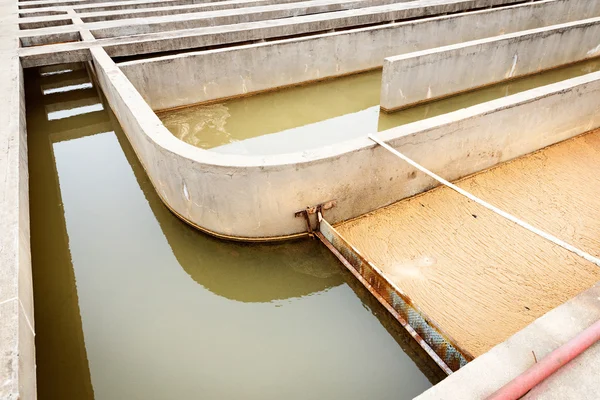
(131, 303)
(310, 116)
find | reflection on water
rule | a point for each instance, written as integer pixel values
(310, 116)
(131, 303)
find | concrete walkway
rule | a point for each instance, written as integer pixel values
(578, 380)
(17, 354)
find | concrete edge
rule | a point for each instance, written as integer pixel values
(17, 331)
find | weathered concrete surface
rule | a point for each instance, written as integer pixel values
(122, 12)
(423, 76)
(546, 12)
(134, 26)
(395, 11)
(578, 380)
(112, 6)
(207, 75)
(17, 354)
(213, 190)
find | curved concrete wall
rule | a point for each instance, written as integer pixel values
(432, 74)
(209, 75)
(253, 198)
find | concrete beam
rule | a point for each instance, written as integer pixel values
(123, 13)
(428, 75)
(134, 4)
(208, 75)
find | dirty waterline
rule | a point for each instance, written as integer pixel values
(132, 303)
(310, 116)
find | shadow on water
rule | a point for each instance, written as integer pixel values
(294, 269)
(60, 343)
(115, 318)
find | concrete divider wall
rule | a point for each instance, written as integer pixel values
(414, 78)
(209, 75)
(256, 197)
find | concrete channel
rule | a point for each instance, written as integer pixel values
(151, 56)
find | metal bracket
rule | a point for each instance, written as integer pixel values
(310, 210)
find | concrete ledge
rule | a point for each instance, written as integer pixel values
(212, 190)
(489, 372)
(428, 75)
(208, 75)
(17, 347)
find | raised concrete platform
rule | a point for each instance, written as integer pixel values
(428, 75)
(475, 275)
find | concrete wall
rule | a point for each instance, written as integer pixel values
(208, 75)
(17, 344)
(418, 77)
(255, 197)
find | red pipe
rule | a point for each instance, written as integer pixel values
(548, 365)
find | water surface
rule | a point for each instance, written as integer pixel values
(131, 303)
(322, 113)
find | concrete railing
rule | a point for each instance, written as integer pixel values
(208, 75)
(256, 197)
(428, 75)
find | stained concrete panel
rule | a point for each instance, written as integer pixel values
(414, 78)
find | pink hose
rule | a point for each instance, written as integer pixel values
(548, 365)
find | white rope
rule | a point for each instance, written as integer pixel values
(490, 207)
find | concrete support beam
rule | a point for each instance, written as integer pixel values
(123, 13)
(112, 6)
(428, 75)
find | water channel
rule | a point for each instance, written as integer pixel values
(324, 113)
(131, 303)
